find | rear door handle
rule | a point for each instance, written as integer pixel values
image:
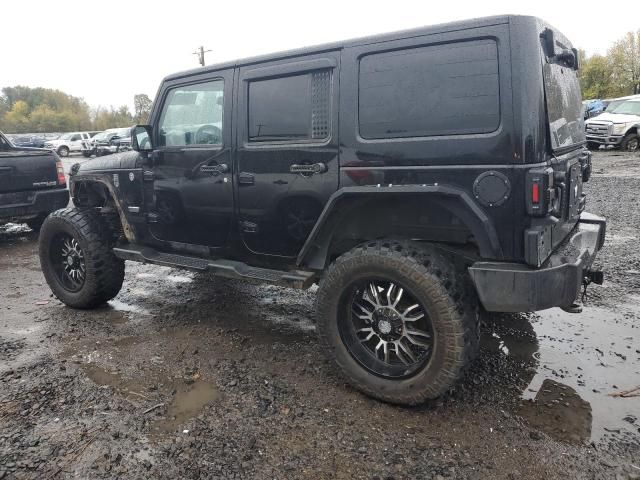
(215, 169)
(308, 169)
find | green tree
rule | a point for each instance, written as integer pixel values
(41, 110)
(625, 63)
(111, 118)
(595, 77)
(17, 119)
(142, 104)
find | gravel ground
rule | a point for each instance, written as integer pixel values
(187, 376)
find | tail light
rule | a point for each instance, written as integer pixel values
(540, 192)
(60, 169)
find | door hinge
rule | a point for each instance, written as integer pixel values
(248, 227)
(148, 176)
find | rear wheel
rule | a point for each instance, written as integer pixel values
(63, 151)
(77, 259)
(630, 143)
(398, 319)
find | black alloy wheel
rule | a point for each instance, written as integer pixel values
(67, 259)
(385, 328)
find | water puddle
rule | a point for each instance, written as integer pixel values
(187, 403)
(577, 363)
(103, 377)
(179, 279)
(121, 311)
(189, 399)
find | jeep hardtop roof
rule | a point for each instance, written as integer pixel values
(415, 32)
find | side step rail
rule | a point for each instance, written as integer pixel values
(223, 268)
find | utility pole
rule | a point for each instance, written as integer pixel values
(200, 53)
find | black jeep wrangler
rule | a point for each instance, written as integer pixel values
(416, 177)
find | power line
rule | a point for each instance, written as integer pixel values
(200, 53)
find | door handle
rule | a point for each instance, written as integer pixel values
(308, 169)
(245, 178)
(215, 169)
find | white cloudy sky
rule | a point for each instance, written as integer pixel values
(107, 51)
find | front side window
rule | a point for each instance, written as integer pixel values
(290, 109)
(192, 115)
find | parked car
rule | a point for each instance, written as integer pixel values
(28, 141)
(112, 140)
(593, 108)
(616, 127)
(415, 176)
(32, 184)
(68, 142)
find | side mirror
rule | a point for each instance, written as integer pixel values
(141, 138)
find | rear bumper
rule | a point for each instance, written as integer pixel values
(21, 205)
(514, 287)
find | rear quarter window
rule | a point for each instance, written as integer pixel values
(428, 91)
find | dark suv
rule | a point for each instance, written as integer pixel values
(416, 177)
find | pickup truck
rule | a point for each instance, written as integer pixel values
(32, 184)
(69, 142)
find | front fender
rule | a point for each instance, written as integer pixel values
(112, 189)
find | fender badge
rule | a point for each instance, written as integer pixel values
(131, 176)
(116, 180)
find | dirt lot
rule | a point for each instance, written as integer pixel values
(186, 376)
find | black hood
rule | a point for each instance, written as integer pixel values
(117, 161)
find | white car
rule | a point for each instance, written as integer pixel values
(617, 126)
(68, 142)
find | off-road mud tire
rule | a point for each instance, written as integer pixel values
(447, 295)
(104, 271)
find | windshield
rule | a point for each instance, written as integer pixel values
(104, 135)
(630, 108)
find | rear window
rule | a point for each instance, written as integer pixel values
(564, 106)
(435, 90)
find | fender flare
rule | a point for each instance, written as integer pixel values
(105, 180)
(314, 252)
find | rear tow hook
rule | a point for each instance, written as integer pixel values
(590, 276)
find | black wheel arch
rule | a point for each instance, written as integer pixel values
(98, 191)
(355, 204)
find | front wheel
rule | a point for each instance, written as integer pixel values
(77, 259)
(398, 319)
(63, 151)
(630, 143)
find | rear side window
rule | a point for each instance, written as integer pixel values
(290, 109)
(436, 90)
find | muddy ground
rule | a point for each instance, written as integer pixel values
(187, 376)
